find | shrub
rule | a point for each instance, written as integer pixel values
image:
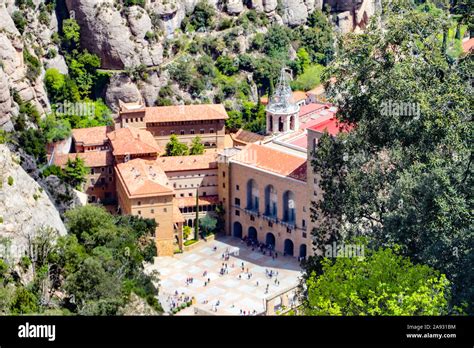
(10, 181)
(33, 65)
(19, 20)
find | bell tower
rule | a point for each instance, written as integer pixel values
(282, 111)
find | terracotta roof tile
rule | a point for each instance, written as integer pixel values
(176, 113)
(191, 201)
(247, 137)
(143, 177)
(91, 159)
(92, 135)
(178, 163)
(177, 216)
(468, 45)
(272, 160)
(299, 95)
(132, 141)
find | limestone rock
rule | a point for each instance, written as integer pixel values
(105, 32)
(24, 205)
(294, 12)
(140, 22)
(234, 7)
(121, 88)
(5, 103)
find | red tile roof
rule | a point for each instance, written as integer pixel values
(247, 137)
(177, 216)
(143, 178)
(332, 126)
(468, 45)
(191, 201)
(306, 110)
(180, 163)
(91, 159)
(272, 160)
(91, 136)
(179, 113)
(132, 141)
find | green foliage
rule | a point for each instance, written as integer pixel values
(5, 137)
(277, 42)
(55, 129)
(33, 65)
(19, 20)
(196, 148)
(186, 232)
(309, 79)
(24, 302)
(10, 181)
(134, 2)
(207, 224)
(55, 82)
(181, 73)
(175, 148)
(382, 283)
(101, 260)
(203, 16)
(75, 172)
(401, 177)
(227, 65)
(71, 34)
(82, 69)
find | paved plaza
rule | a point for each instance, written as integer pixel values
(232, 293)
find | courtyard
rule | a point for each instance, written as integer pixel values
(238, 291)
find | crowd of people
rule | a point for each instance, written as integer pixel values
(226, 268)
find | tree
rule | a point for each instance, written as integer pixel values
(226, 65)
(208, 224)
(71, 34)
(197, 148)
(203, 16)
(186, 232)
(55, 82)
(176, 148)
(24, 302)
(402, 175)
(75, 172)
(381, 283)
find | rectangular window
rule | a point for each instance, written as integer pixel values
(152, 211)
(237, 201)
(270, 224)
(237, 213)
(252, 218)
(165, 210)
(204, 194)
(139, 212)
(211, 130)
(201, 131)
(223, 174)
(223, 185)
(92, 181)
(182, 132)
(192, 131)
(92, 170)
(303, 223)
(237, 187)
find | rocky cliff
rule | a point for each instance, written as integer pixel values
(24, 205)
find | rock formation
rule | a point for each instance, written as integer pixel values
(24, 205)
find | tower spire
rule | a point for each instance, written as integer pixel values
(282, 99)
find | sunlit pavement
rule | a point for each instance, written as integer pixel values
(234, 294)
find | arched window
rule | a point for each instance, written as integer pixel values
(289, 209)
(271, 200)
(292, 122)
(280, 124)
(270, 121)
(252, 195)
